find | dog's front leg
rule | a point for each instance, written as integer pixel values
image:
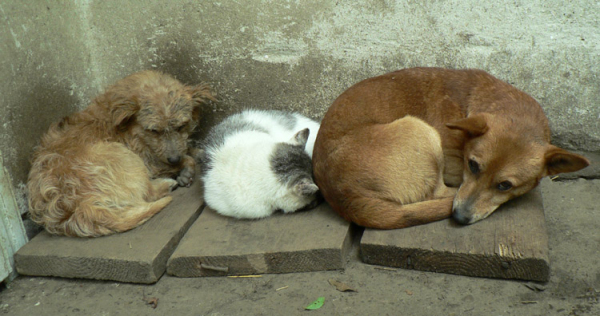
(186, 175)
(453, 170)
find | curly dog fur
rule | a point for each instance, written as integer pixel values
(110, 167)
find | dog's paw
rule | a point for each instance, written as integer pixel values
(186, 177)
(172, 184)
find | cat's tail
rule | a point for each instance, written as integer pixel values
(386, 214)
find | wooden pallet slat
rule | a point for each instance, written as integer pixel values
(512, 244)
(215, 245)
(137, 256)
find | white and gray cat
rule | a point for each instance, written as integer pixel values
(257, 162)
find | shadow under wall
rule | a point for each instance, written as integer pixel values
(39, 105)
(180, 59)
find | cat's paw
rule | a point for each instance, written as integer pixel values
(186, 177)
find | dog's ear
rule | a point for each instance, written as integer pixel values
(559, 160)
(474, 125)
(199, 95)
(123, 109)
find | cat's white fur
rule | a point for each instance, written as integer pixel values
(239, 180)
(281, 133)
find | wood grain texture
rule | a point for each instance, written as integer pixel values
(511, 244)
(137, 256)
(215, 245)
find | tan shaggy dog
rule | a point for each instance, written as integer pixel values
(380, 168)
(110, 167)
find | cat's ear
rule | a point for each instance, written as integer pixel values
(300, 138)
(306, 187)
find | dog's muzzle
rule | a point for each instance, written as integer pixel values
(175, 160)
(461, 211)
(461, 219)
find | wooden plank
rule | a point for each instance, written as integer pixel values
(215, 245)
(138, 256)
(511, 244)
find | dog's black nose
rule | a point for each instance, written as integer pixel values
(461, 219)
(174, 160)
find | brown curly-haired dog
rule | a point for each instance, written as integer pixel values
(110, 167)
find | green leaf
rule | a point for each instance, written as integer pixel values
(316, 304)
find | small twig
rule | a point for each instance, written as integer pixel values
(535, 287)
(529, 302)
(384, 268)
(282, 288)
(245, 276)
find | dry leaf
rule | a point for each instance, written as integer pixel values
(409, 292)
(152, 301)
(342, 287)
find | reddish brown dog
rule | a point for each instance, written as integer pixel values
(379, 167)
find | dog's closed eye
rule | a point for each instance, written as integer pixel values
(504, 186)
(473, 166)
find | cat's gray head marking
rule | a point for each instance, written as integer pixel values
(292, 165)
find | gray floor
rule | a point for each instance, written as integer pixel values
(574, 289)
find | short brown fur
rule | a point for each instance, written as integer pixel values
(378, 172)
(110, 167)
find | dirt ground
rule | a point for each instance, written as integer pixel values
(574, 288)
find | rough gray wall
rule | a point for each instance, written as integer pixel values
(298, 55)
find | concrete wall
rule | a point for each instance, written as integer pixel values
(55, 56)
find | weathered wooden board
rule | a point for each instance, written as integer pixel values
(138, 256)
(511, 244)
(215, 245)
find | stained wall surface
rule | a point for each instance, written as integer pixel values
(295, 55)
